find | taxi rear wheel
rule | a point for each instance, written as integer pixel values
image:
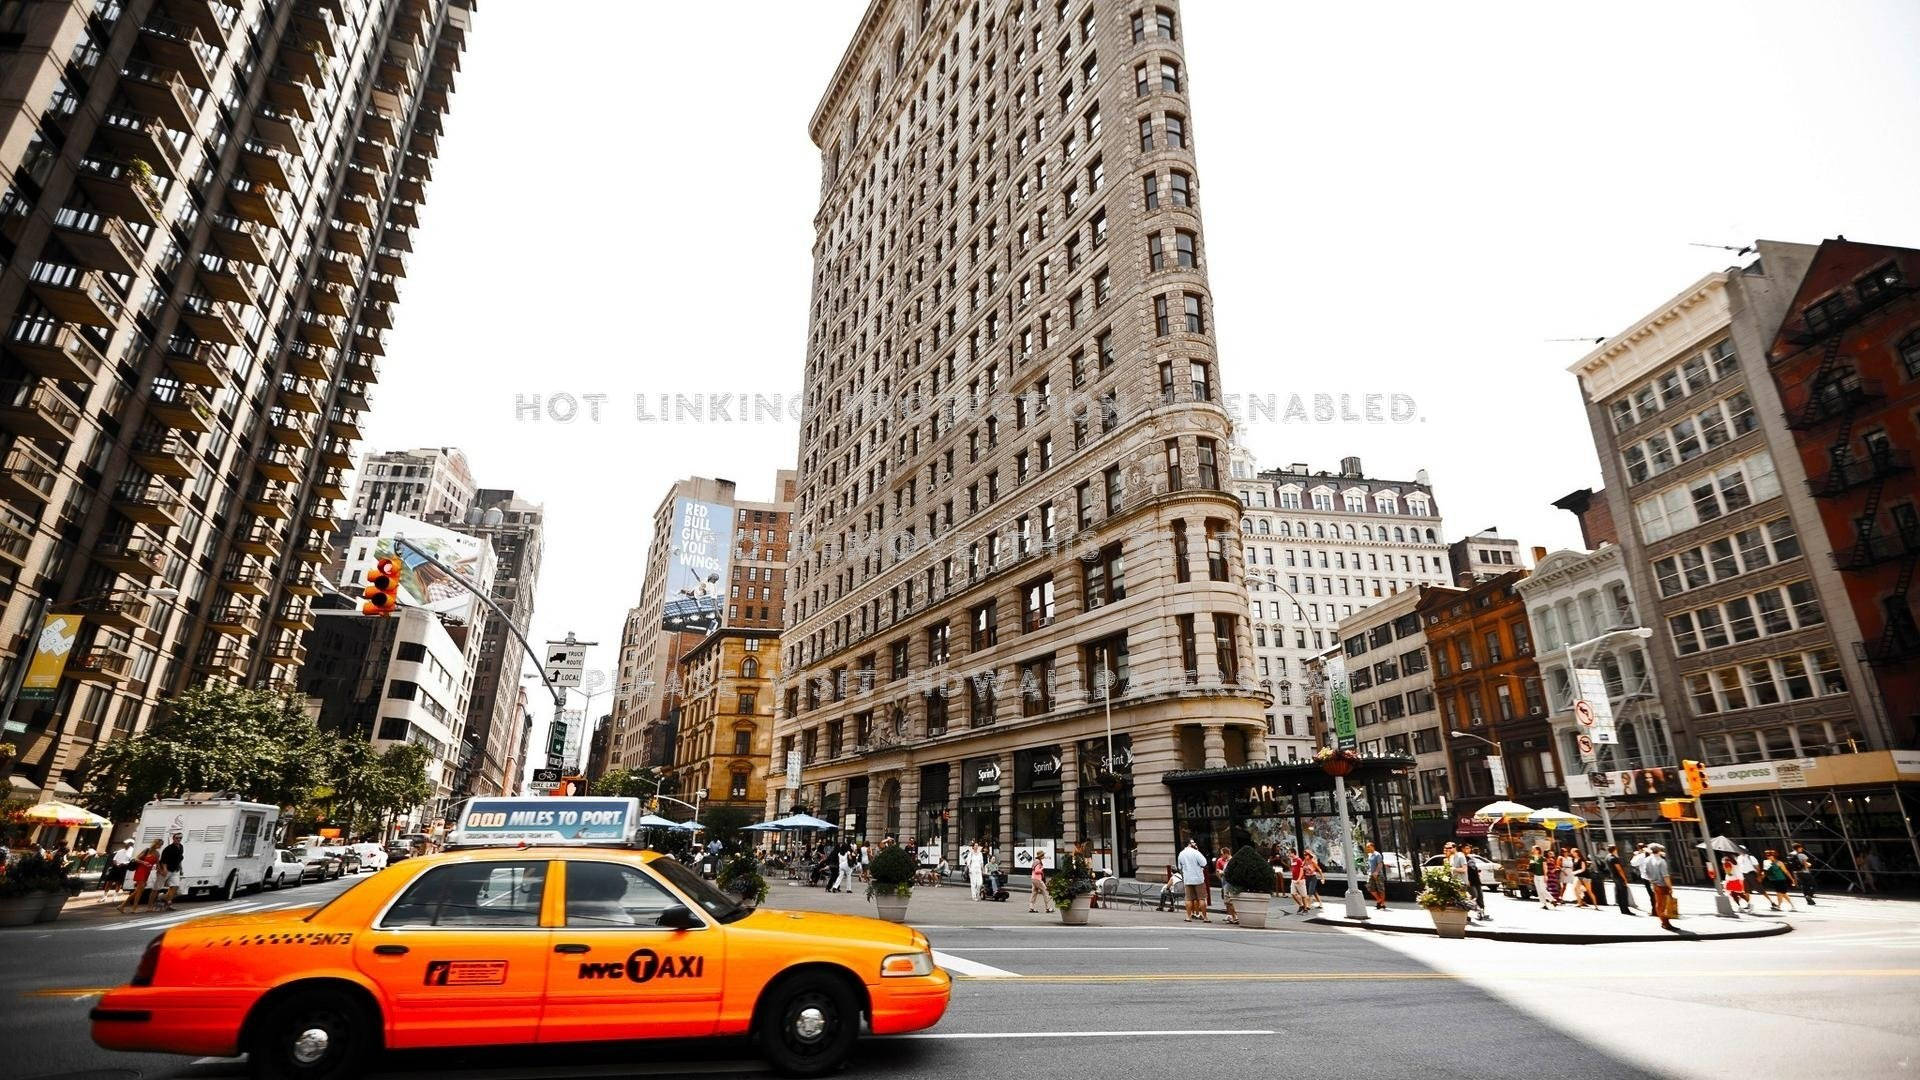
(319, 1034)
(808, 1024)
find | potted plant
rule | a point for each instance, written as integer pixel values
(27, 889)
(1251, 879)
(890, 882)
(1445, 898)
(1336, 762)
(1071, 888)
(740, 877)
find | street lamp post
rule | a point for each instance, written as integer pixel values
(1506, 788)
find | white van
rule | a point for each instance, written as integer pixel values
(228, 842)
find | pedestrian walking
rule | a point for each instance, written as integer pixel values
(1639, 864)
(1775, 880)
(843, 880)
(1461, 866)
(1313, 876)
(1554, 884)
(1583, 880)
(1659, 878)
(114, 881)
(1736, 885)
(975, 862)
(167, 875)
(1616, 869)
(1193, 874)
(1036, 900)
(1474, 884)
(1377, 877)
(142, 869)
(1801, 864)
(1542, 880)
(1569, 883)
(1748, 868)
(1297, 877)
(1220, 874)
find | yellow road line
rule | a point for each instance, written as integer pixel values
(67, 992)
(1442, 976)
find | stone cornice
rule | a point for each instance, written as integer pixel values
(1658, 339)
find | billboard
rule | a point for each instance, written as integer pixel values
(424, 585)
(700, 550)
(50, 651)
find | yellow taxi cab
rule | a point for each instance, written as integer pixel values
(510, 945)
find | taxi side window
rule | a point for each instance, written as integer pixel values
(484, 894)
(610, 895)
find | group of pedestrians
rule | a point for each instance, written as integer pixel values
(149, 876)
(1771, 876)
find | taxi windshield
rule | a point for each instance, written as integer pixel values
(717, 904)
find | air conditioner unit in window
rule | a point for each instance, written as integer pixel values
(1466, 665)
(1536, 711)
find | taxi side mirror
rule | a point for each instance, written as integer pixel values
(677, 917)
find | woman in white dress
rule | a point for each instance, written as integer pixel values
(1569, 881)
(976, 861)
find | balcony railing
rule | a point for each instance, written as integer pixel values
(181, 406)
(99, 242)
(131, 553)
(1867, 552)
(201, 363)
(1843, 477)
(121, 188)
(209, 319)
(75, 295)
(165, 455)
(143, 136)
(182, 48)
(27, 476)
(239, 239)
(1833, 401)
(37, 409)
(150, 503)
(54, 350)
(160, 91)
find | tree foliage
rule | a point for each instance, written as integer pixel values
(724, 822)
(626, 784)
(255, 743)
(261, 746)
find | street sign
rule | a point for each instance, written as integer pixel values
(1586, 746)
(1593, 708)
(556, 762)
(1497, 769)
(793, 770)
(1341, 701)
(546, 776)
(563, 662)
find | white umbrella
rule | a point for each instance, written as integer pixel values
(804, 821)
(686, 826)
(1555, 818)
(1499, 812)
(655, 821)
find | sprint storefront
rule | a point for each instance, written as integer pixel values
(1854, 813)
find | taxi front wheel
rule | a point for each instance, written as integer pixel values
(319, 1034)
(808, 1024)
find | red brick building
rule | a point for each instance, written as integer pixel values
(1847, 362)
(1488, 688)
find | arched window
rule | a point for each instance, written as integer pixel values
(1286, 528)
(737, 785)
(1246, 525)
(1399, 534)
(749, 668)
(899, 720)
(1430, 538)
(1264, 527)
(1319, 533)
(1366, 532)
(1351, 534)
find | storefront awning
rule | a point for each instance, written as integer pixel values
(1300, 774)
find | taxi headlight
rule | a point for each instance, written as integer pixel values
(901, 965)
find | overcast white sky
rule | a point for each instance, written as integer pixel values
(1399, 198)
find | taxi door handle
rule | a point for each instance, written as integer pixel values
(572, 948)
(390, 950)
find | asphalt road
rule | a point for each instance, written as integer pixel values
(1145, 995)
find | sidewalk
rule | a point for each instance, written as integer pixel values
(1526, 920)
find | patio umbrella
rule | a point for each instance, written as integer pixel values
(61, 814)
(764, 826)
(804, 821)
(686, 826)
(655, 821)
(1723, 845)
(1502, 812)
(1555, 818)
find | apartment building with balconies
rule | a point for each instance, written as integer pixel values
(202, 229)
(1013, 451)
(1721, 537)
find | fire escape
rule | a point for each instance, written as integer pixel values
(1836, 397)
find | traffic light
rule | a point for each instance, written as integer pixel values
(1694, 778)
(1674, 809)
(383, 588)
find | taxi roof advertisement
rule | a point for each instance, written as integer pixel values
(494, 822)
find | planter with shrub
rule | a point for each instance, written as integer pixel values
(32, 890)
(1071, 888)
(739, 877)
(1251, 880)
(890, 882)
(1446, 900)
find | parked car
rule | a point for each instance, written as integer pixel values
(349, 859)
(323, 862)
(397, 852)
(289, 868)
(372, 856)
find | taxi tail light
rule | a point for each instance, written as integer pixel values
(149, 961)
(901, 965)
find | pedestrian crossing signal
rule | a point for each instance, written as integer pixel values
(382, 593)
(1674, 809)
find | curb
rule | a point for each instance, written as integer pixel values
(1770, 929)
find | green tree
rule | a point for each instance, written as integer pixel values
(724, 822)
(256, 743)
(627, 784)
(362, 787)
